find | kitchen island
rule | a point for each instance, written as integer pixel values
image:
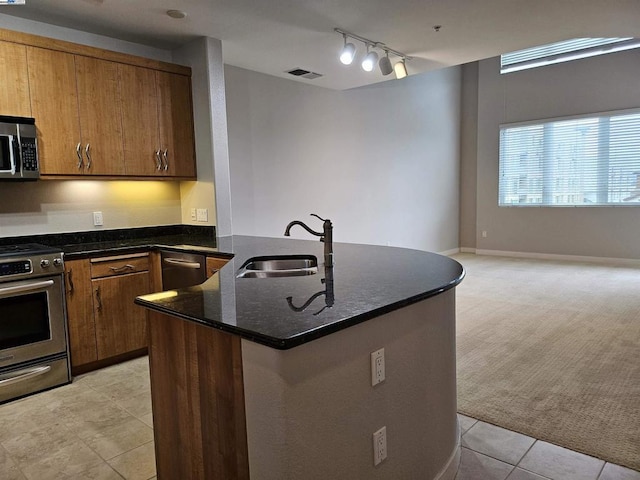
(270, 378)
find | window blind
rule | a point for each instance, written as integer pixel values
(587, 160)
(563, 51)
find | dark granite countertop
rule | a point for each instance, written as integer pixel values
(368, 281)
(75, 245)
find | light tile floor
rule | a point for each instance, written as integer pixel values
(100, 428)
(493, 453)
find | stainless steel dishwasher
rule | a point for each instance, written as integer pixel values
(181, 269)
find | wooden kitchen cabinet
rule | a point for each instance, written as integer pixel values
(82, 329)
(52, 75)
(100, 118)
(14, 81)
(104, 323)
(157, 123)
(176, 124)
(214, 264)
(78, 121)
(98, 112)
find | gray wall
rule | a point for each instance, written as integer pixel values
(608, 82)
(381, 161)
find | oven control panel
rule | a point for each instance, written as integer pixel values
(15, 267)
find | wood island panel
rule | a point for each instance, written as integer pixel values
(197, 394)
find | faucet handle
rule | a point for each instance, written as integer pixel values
(318, 216)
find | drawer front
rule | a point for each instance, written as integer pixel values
(121, 265)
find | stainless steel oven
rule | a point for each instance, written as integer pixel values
(33, 336)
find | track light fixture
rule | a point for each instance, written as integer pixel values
(369, 61)
(348, 52)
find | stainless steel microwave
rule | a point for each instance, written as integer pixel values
(18, 149)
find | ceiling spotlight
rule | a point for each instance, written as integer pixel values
(176, 14)
(385, 64)
(401, 69)
(369, 60)
(348, 52)
(347, 55)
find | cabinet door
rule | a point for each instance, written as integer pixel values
(176, 124)
(82, 330)
(121, 326)
(139, 106)
(54, 101)
(14, 80)
(100, 118)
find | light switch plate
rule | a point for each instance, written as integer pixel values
(193, 214)
(202, 215)
(98, 220)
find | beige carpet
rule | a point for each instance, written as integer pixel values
(552, 350)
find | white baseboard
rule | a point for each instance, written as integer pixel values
(467, 250)
(448, 253)
(552, 256)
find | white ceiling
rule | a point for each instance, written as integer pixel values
(274, 36)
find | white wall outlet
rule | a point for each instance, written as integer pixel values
(377, 367)
(193, 214)
(484, 234)
(379, 446)
(98, 221)
(202, 215)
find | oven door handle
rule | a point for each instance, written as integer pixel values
(22, 375)
(26, 287)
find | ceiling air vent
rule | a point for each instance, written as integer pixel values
(300, 72)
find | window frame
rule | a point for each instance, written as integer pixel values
(541, 123)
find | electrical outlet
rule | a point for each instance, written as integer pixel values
(484, 234)
(193, 214)
(98, 220)
(379, 446)
(202, 215)
(377, 367)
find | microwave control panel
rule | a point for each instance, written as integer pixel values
(29, 154)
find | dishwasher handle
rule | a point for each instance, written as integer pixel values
(177, 262)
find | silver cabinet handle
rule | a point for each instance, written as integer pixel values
(25, 287)
(79, 153)
(99, 299)
(128, 266)
(158, 161)
(182, 263)
(22, 375)
(86, 151)
(165, 155)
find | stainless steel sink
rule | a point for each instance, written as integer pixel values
(279, 266)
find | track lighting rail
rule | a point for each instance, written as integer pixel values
(373, 43)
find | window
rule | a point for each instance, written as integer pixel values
(563, 52)
(586, 160)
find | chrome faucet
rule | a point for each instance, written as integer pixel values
(326, 236)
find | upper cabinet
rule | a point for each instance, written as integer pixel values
(52, 75)
(157, 122)
(176, 124)
(99, 113)
(100, 122)
(14, 83)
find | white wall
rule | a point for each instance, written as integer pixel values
(381, 161)
(212, 190)
(608, 82)
(67, 206)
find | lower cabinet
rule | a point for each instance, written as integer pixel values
(104, 323)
